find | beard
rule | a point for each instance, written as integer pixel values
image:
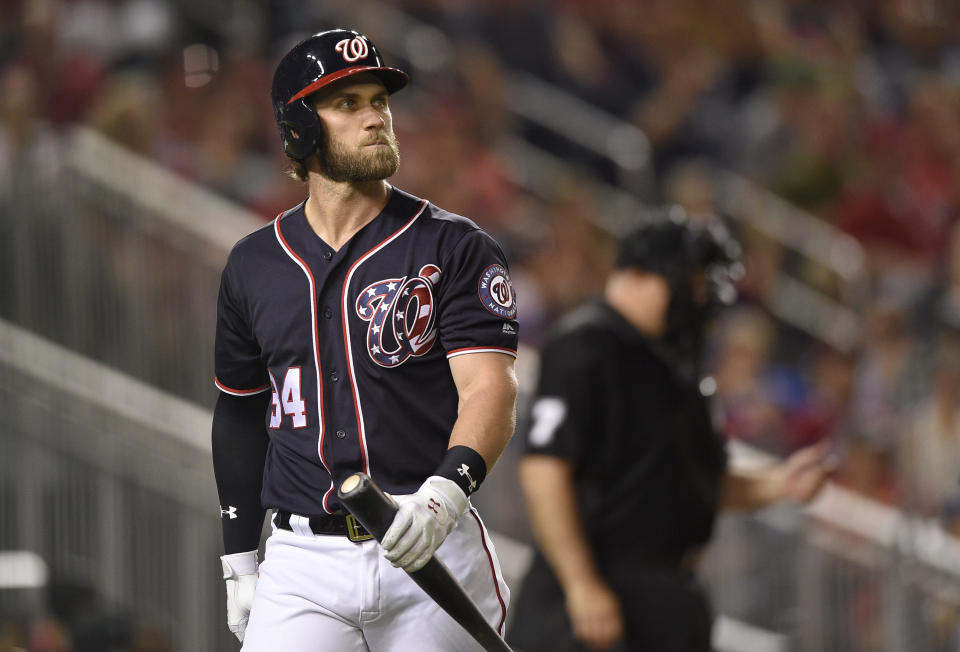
(340, 164)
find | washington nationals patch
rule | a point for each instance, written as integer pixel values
(496, 292)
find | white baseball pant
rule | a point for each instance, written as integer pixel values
(323, 592)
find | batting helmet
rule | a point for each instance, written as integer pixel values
(309, 66)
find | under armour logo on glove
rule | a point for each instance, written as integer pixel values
(422, 523)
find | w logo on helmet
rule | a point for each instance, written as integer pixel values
(352, 49)
(401, 316)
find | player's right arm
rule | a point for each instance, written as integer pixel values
(239, 442)
(239, 445)
(558, 425)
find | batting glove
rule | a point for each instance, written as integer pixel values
(422, 523)
(240, 572)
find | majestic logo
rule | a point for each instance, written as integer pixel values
(465, 470)
(230, 512)
(496, 292)
(352, 49)
(402, 316)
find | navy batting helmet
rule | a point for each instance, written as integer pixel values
(309, 66)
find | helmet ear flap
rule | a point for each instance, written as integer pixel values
(300, 128)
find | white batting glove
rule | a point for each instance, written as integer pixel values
(240, 572)
(422, 523)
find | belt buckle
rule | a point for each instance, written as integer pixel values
(355, 531)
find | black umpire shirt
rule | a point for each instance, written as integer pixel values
(647, 461)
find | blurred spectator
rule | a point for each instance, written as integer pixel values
(128, 110)
(867, 467)
(692, 184)
(12, 638)
(571, 263)
(883, 381)
(114, 31)
(774, 406)
(829, 375)
(26, 141)
(947, 309)
(47, 634)
(745, 398)
(929, 446)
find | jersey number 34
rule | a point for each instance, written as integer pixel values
(288, 401)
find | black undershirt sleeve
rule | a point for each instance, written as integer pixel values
(239, 450)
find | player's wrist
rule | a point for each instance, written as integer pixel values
(456, 499)
(240, 563)
(464, 466)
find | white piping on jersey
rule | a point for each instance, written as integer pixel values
(316, 352)
(480, 349)
(346, 333)
(239, 392)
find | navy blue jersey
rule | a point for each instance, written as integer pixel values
(354, 344)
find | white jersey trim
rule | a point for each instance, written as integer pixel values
(239, 392)
(316, 352)
(481, 349)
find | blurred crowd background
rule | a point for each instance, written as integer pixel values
(848, 110)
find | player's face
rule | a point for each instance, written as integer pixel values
(359, 141)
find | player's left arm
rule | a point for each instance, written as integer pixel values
(487, 389)
(797, 478)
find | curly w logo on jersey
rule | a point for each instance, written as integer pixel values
(401, 317)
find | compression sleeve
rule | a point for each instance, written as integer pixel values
(239, 450)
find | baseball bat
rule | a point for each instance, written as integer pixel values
(375, 511)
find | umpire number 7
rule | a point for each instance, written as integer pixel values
(548, 413)
(288, 401)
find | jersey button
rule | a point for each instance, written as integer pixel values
(341, 434)
(328, 312)
(328, 255)
(334, 376)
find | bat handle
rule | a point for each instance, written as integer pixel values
(375, 510)
(368, 503)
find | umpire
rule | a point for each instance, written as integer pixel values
(624, 471)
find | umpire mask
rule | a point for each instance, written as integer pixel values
(701, 261)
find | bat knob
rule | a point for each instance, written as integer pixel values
(351, 483)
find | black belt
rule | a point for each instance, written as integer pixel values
(336, 524)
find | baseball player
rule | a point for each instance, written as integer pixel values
(363, 330)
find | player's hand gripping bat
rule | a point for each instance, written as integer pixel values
(375, 511)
